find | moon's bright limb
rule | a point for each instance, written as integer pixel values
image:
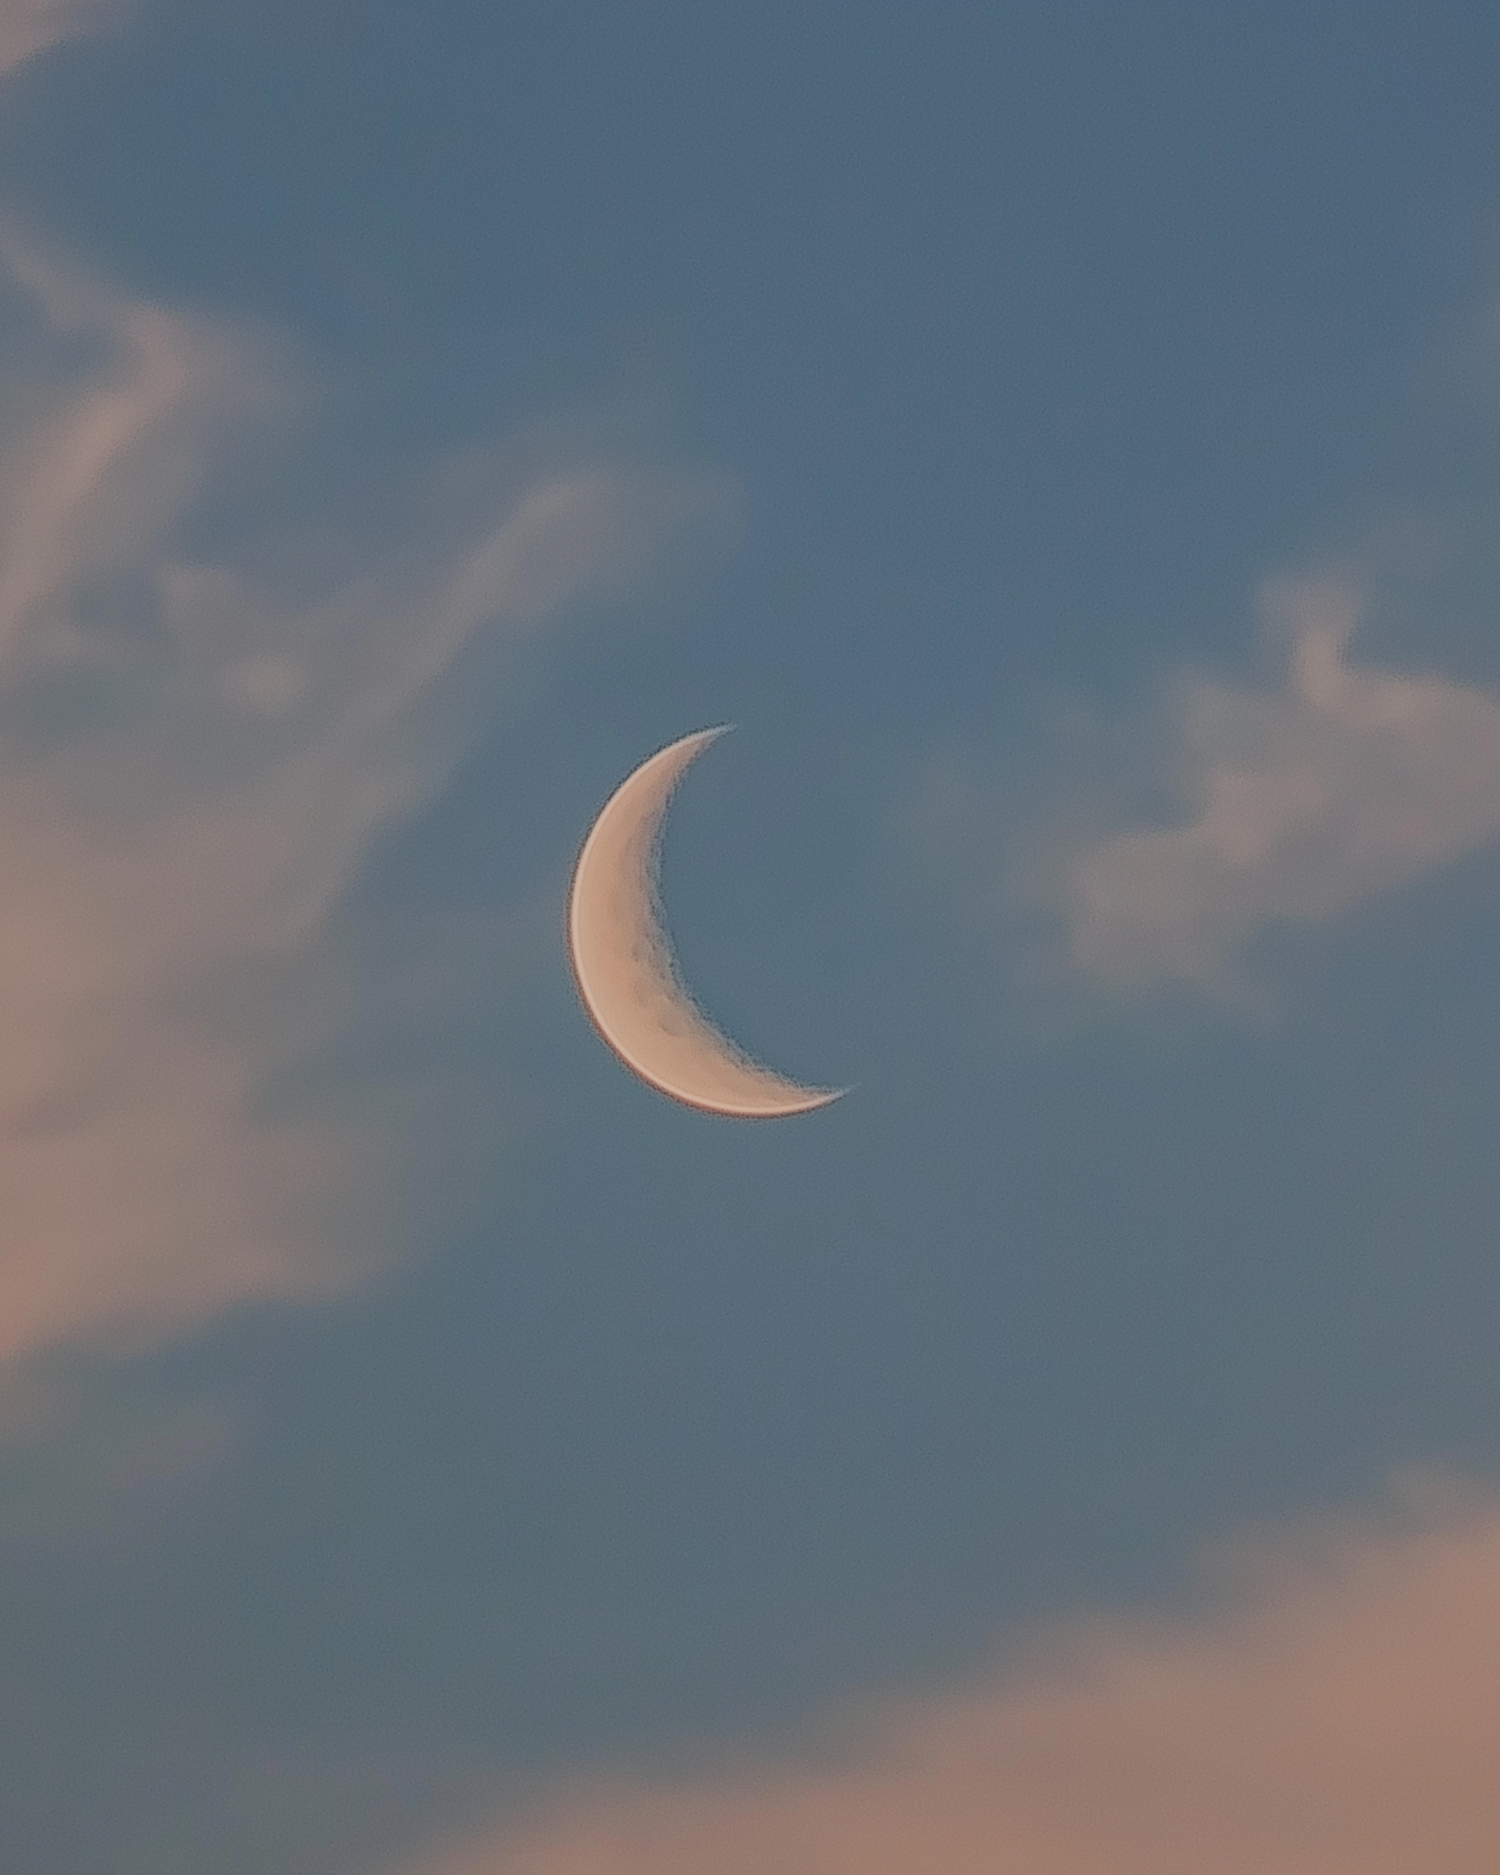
(627, 975)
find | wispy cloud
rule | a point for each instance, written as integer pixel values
(1157, 848)
(193, 764)
(1299, 801)
(1337, 1715)
(30, 26)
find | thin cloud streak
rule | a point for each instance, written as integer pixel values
(1336, 1716)
(1303, 801)
(193, 766)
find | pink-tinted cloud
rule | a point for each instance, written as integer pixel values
(1339, 1714)
(193, 765)
(30, 26)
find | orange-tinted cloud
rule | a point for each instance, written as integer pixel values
(30, 26)
(194, 762)
(1338, 1714)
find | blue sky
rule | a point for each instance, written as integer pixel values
(1065, 440)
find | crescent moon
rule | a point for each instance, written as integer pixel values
(626, 972)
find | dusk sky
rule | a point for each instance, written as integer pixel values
(1064, 440)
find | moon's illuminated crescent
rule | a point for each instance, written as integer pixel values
(627, 975)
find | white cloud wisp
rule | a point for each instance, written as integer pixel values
(1301, 802)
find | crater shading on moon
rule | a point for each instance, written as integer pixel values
(627, 974)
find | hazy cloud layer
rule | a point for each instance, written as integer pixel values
(30, 26)
(1338, 1717)
(192, 765)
